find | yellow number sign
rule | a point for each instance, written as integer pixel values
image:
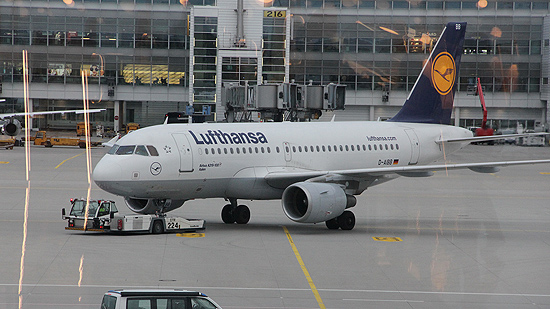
(275, 14)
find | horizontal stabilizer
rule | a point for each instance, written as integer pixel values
(488, 138)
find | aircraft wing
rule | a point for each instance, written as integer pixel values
(283, 178)
(489, 138)
(76, 111)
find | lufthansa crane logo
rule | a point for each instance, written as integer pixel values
(443, 73)
(155, 168)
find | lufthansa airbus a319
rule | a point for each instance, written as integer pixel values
(316, 169)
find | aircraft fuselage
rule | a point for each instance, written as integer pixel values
(232, 160)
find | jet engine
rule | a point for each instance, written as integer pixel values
(12, 127)
(151, 206)
(311, 202)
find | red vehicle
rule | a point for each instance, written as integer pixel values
(484, 130)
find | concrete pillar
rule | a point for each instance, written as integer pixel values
(371, 113)
(546, 115)
(34, 124)
(123, 118)
(117, 117)
(457, 116)
(547, 123)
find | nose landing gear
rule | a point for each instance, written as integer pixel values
(232, 213)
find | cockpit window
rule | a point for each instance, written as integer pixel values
(125, 150)
(140, 150)
(152, 150)
(113, 149)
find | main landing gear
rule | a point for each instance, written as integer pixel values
(346, 221)
(240, 214)
(232, 213)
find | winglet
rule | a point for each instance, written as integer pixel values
(112, 141)
(431, 99)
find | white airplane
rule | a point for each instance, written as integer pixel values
(12, 126)
(316, 169)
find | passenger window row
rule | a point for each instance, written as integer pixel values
(296, 149)
(238, 150)
(343, 148)
(140, 150)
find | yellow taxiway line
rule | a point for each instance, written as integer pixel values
(70, 159)
(304, 269)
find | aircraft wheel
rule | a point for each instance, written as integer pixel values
(228, 215)
(332, 224)
(242, 214)
(157, 227)
(346, 220)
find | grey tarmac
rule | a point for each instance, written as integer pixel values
(456, 240)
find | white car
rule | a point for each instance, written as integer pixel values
(157, 299)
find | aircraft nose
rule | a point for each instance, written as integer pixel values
(106, 173)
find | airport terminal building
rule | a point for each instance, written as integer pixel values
(144, 58)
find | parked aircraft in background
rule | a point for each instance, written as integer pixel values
(12, 126)
(315, 168)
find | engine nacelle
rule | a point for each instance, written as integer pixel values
(152, 206)
(312, 202)
(12, 127)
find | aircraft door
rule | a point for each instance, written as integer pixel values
(286, 150)
(185, 152)
(415, 146)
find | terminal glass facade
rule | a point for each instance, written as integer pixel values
(274, 48)
(205, 59)
(368, 54)
(61, 47)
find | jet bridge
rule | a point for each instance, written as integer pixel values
(281, 102)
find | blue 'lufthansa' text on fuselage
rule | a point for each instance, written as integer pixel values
(220, 137)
